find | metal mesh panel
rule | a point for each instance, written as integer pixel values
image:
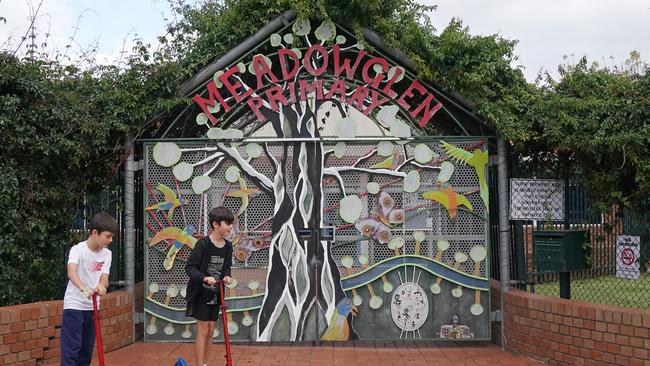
(464, 228)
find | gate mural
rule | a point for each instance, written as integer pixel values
(350, 223)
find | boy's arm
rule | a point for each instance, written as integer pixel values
(74, 278)
(194, 263)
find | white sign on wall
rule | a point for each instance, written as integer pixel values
(536, 199)
(627, 256)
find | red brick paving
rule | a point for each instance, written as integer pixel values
(327, 354)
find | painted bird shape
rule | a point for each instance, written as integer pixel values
(447, 197)
(170, 203)
(477, 159)
(244, 193)
(390, 163)
(339, 329)
(179, 237)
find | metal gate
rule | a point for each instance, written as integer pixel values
(335, 239)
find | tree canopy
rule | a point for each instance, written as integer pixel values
(64, 126)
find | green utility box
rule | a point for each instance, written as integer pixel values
(560, 251)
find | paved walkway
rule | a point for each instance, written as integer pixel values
(348, 354)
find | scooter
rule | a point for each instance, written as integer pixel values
(224, 320)
(98, 332)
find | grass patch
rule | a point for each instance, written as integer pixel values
(609, 290)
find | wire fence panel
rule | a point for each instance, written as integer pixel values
(610, 267)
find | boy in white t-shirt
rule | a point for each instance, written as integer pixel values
(89, 263)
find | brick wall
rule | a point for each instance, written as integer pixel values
(565, 332)
(29, 333)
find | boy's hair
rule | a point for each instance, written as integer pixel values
(219, 214)
(103, 222)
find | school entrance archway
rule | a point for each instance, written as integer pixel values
(352, 223)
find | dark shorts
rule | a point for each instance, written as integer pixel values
(201, 311)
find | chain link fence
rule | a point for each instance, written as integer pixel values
(560, 247)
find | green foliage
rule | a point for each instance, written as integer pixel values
(63, 127)
(62, 136)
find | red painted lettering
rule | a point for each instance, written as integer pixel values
(274, 95)
(282, 53)
(349, 70)
(307, 61)
(337, 87)
(255, 103)
(213, 93)
(232, 88)
(428, 110)
(262, 68)
(374, 82)
(307, 87)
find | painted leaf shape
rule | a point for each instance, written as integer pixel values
(232, 174)
(400, 129)
(183, 171)
(340, 39)
(339, 149)
(201, 184)
(460, 257)
(372, 187)
(376, 302)
(201, 119)
(253, 150)
(216, 79)
(419, 235)
(166, 154)
(276, 40)
(442, 245)
(301, 27)
(347, 261)
(288, 38)
(478, 253)
(233, 134)
(476, 309)
(214, 108)
(325, 31)
(363, 259)
(386, 115)
(215, 133)
(385, 148)
(350, 208)
(422, 154)
(396, 243)
(412, 181)
(446, 171)
(392, 72)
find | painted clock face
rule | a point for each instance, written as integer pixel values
(409, 306)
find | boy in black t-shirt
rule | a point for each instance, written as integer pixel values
(210, 260)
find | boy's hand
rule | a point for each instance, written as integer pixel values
(227, 280)
(87, 292)
(210, 281)
(100, 290)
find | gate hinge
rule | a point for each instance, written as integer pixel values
(496, 316)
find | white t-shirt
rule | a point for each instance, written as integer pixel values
(90, 267)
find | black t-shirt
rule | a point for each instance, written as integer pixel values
(216, 260)
(207, 260)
